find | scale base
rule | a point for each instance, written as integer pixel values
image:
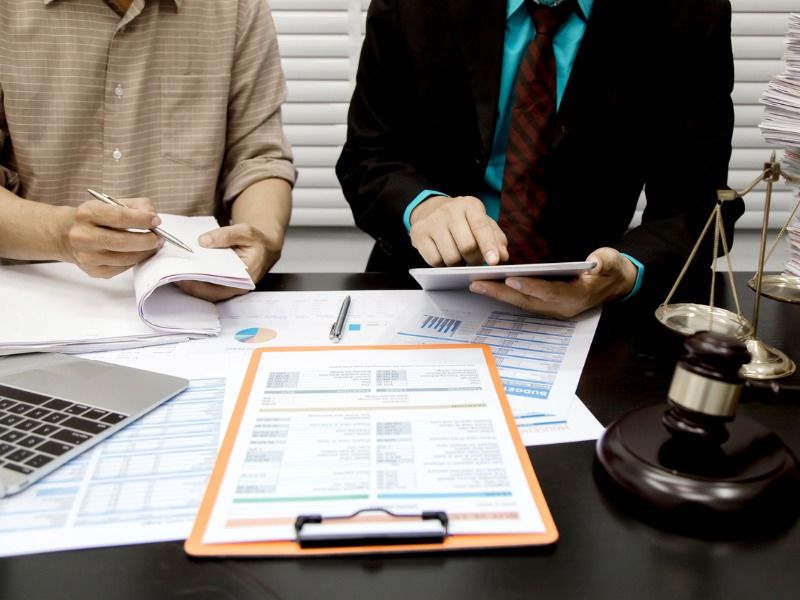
(750, 484)
(766, 362)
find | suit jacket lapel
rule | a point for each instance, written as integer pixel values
(482, 48)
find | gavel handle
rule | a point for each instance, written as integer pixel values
(770, 391)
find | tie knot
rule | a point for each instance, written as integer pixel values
(548, 19)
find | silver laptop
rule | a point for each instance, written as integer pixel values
(54, 407)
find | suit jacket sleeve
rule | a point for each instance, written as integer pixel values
(688, 160)
(376, 168)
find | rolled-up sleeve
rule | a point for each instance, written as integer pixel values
(8, 176)
(256, 146)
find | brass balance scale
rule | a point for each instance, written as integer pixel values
(688, 318)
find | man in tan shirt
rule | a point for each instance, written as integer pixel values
(170, 106)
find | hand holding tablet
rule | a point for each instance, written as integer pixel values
(453, 278)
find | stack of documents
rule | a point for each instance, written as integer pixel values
(792, 266)
(781, 124)
(57, 307)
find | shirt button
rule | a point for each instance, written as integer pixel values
(117, 154)
(118, 90)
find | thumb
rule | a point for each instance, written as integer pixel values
(597, 258)
(606, 259)
(216, 238)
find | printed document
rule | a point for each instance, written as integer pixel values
(332, 431)
(54, 514)
(540, 371)
(539, 359)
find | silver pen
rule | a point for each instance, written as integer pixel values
(157, 230)
(337, 329)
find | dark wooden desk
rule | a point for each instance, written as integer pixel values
(603, 551)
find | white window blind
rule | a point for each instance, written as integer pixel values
(758, 28)
(320, 41)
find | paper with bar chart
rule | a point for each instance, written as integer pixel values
(539, 359)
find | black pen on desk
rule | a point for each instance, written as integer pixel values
(337, 329)
(157, 230)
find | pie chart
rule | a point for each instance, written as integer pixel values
(255, 335)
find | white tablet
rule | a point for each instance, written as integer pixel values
(453, 278)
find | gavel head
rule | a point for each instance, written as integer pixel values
(706, 387)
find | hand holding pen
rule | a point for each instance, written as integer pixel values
(157, 230)
(105, 240)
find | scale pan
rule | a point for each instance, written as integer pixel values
(689, 318)
(785, 288)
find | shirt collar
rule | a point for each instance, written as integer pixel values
(585, 7)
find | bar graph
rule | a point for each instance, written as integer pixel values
(441, 325)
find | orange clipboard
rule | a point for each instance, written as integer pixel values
(290, 548)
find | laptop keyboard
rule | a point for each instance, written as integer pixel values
(35, 429)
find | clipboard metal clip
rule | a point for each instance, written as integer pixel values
(359, 529)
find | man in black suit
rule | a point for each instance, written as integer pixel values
(643, 103)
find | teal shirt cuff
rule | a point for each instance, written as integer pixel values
(423, 195)
(639, 277)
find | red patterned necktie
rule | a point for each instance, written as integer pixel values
(530, 137)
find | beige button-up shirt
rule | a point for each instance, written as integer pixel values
(177, 100)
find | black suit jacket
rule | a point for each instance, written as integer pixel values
(647, 105)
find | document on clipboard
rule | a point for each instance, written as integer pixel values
(370, 449)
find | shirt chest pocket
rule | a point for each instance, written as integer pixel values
(193, 118)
